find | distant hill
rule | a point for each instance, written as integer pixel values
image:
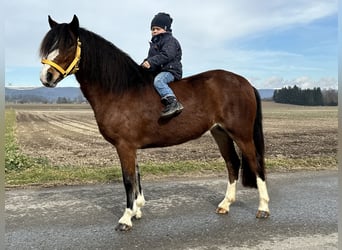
(42, 93)
(51, 95)
(266, 93)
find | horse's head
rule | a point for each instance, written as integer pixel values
(60, 52)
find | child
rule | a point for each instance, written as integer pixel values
(164, 58)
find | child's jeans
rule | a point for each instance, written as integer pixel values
(161, 82)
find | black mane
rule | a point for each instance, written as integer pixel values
(101, 61)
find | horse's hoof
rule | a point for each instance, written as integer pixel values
(221, 210)
(122, 227)
(262, 214)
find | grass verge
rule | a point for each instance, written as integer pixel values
(47, 175)
(14, 159)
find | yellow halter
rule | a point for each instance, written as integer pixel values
(73, 67)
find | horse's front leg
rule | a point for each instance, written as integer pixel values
(139, 201)
(131, 179)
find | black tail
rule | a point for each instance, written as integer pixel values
(249, 177)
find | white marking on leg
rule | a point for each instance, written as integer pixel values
(263, 195)
(126, 219)
(229, 197)
(141, 200)
(45, 68)
(138, 204)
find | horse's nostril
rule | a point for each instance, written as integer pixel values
(49, 76)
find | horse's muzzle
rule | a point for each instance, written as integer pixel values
(50, 79)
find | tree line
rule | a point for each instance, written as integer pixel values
(309, 97)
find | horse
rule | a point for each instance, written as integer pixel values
(127, 110)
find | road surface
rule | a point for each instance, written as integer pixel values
(179, 214)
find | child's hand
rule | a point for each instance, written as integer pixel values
(146, 65)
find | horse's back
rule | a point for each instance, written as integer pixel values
(215, 86)
(217, 74)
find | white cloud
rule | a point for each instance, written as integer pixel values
(229, 20)
(303, 82)
(273, 82)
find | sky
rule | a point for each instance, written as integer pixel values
(271, 43)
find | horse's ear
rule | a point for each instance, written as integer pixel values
(52, 23)
(74, 25)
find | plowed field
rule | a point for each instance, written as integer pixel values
(68, 135)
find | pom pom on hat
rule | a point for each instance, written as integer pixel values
(162, 20)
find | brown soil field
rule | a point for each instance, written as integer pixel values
(68, 135)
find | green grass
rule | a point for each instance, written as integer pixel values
(308, 163)
(48, 175)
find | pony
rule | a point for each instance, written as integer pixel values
(127, 111)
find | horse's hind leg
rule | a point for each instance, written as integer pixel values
(227, 149)
(254, 176)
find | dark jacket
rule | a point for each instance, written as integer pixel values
(165, 54)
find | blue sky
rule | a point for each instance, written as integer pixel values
(271, 43)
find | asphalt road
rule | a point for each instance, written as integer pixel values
(179, 214)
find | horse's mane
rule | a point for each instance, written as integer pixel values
(101, 61)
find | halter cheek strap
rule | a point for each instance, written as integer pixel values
(73, 67)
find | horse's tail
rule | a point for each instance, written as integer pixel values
(249, 177)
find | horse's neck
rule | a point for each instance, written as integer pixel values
(92, 93)
(100, 92)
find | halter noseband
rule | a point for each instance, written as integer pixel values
(73, 67)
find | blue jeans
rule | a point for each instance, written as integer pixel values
(161, 84)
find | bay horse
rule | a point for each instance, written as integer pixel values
(127, 110)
